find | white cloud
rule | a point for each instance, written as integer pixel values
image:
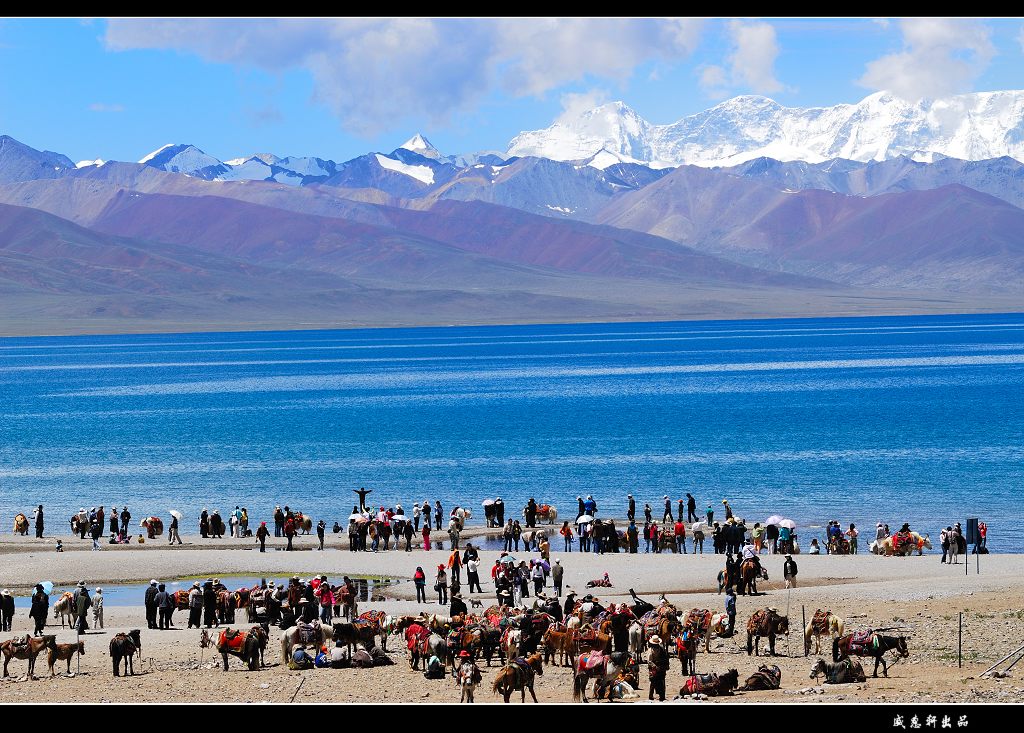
(750, 63)
(940, 57)
(372, 73)
(102, 107)
(575, 104)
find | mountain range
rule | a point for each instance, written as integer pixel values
(748, 209)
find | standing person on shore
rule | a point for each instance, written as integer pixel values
(261, 536)
(172, 533)
(710, 512)
(204, 524)
(126, 517)
(785, 539)
(537, 575)
(113, 520)
(631, 509)
(455, 564)
(289, 531)
(233, 523)
(771, 535)
(408, 532)
(426, 514)
(667, 516)
(648, 518)
(647, 536)
(728, 509)
(101, 518)
(983, 537)
(39, 610)
(517, 532)
(416, 511)
(852, 534)
(164, 606)
(691, 508)
(632, 537)
(557, 571)
(698, 541)
(321, 528)
(789, 571)
(473, 574)
(441, 586)
(438, 515)
(757, 534)
(680, 532)
(730, 610)
(590, 506)
(243, 523)
(195, 605)
(499, 512)
(210, 603)
(82, 605)
(95, 531)
(279, 521)
(580, 511)
(39, 521)
(326, 597)
(97, 609)
(566, 532)
(6, 610)
(530, 513)
(426, 535)
(657, 668)
(149, 601)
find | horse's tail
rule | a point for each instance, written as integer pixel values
(579, 681)
(838, 626)
(498, 680)
(284, 647)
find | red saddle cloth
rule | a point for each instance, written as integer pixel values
(231, 639)
(861, 640)
(700, 616)
(592, 661)
(820, 620)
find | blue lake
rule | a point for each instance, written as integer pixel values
(917, 419)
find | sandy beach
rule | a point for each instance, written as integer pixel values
(919, 594)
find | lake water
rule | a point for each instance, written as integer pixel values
(917, 419)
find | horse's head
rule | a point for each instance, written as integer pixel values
(926, 542)
(782, 625)
(901, 646)
(818, 669)
(536, 662)
(136, 636)
(81, 647)
(731, 679)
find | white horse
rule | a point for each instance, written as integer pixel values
(636, 639)
(510, 642)
(467, 677)
(292, 637)
(65, 606)
(835, 628)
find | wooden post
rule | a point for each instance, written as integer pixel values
(803, 614)
(960, 643)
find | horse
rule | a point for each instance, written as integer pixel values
(64, 653)
(636, 639)
(869, 644)
(822, 623)
(561, 641)
(28, 648)
(225, 607)
(421, 642)
(21, 524)
(467, 677)
(604, 668)
(548, 512)
(707, 623)
(179, 600)
(65, 606)
(765, 622)
(348, 599)
(125, 646)
(886, 547)
(303, 635)
(662, 622)
(511, 639)
(749, 575)
(765, 678)
(711, 685)
(687, 644)
(518, 674)
(242, 644)
(844, 671)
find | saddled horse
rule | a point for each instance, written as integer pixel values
(712, 685)
(26, 647)
(765, 622)
(707, 624)
(765, 678)
(518, 674)
(63, 653)
(749, 575)
(687, 644)
(869, 644)
(467, 677)
(844, 671)
(126, 646)
(604, 668)
(21, 524)
(422, 642)
(348, 599)
(65, 606)
(242, 644)
(314, 634)
(822, 623)
(225, 607)
(559, 640)
(888, 547)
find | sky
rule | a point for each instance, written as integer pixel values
(340, 87)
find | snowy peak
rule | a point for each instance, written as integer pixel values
(974, 126)
(187, 159)
(420, 145)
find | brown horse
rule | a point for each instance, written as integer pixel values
(179, 600)
(711, 685)
(845, 671)
(765, 622)
(749, 575)
(519, 675)
(687, 644)
(604, 668)
(125, 646)
(561, 641)
(27, 648)
(20, 524)
(242, 644)
(64, 653)
(765, 678)
(869, 644)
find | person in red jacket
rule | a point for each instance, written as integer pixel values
(680, 535)
(326, 595)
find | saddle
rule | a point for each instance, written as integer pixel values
(372, 617)
(699, 682)
(593, 661)
(699, 616)
(524, 673)
(308, 632)
(861, 640)
(232, 639)
(770, 677)
(760, 622)
(586, 634)
(820, 621)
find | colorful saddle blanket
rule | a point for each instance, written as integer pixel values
(769, 677)
(700, 682)
(592, 661)
(862, 640)
(820, 621)
(232, 639)
(308, 633)
(700, 617)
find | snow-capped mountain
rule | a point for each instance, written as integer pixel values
(974, 126)
(19, 162)
(187, 159)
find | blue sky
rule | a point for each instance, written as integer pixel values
(338, 88)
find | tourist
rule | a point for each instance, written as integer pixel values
(438, 514)
(710, 515)
(60, 545)
(648, 518)
(981, 545)
(757, 536)
(233, 522)
(789, 571)
(517, 532)
(580, 511)
(590, 506)
(261, 536)
(279, 521)
(326, 596)
(680, 534)
(6, 610)
(455, 564)
(82, 604)
(631, 511)
(321, 528)
(426, 534)
(204, 523)
(419, 579)
(289, 529)
(195, 605)
(408, 531)
(39, 610)
(557, 571)
(499, 511)
(537, 574)
(243, 523)
(698, 541)
(566, 532)
(39, 524)
(164, 606)
(657, 668)
(126, 517)
(97, 609)
(172, 533)
(667, 515)
(149, 601)
(730, 609)
(441, 586)
(691, 508)
(815, 548)
(633, 537)
(473, 574)
(530, 513)
(852, 534)
(785, 539)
